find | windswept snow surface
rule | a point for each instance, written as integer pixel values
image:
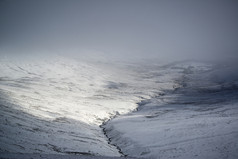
(197, 119)
(64, 106)
(56, 105)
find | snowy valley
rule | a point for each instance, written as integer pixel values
(65, 106)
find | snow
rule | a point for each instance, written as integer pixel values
(56, 105)
(65, 107)
(51, 156)
(198, 119)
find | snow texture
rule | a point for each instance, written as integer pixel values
(197, 119)
(75, 108)
(56, 106)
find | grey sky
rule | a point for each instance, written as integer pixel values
(148, 28)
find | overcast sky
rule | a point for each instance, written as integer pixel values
(148, 28)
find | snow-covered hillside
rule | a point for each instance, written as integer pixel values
(70, 106)
(56, 105)
(198, 119)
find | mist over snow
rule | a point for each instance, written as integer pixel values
(156, 29)
(134, 79)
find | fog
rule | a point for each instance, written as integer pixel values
(162, 29)
(131, 78)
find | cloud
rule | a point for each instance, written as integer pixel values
(153, 29)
